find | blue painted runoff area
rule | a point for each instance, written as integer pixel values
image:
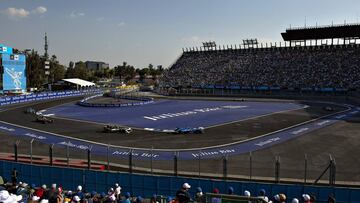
(169, 114)
(147, 185)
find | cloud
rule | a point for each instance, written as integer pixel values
(16, 13)
(76, 14)
(39, 10)
(121, 24)
(100, 19)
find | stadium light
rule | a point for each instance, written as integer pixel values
(209, 45)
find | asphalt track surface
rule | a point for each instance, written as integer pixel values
(294, 148)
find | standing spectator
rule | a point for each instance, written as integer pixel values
(79, 192)
(14, 176)
(117, 191)
(183, 195)
(52, 194)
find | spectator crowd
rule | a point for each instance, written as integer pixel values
(21, 192)
(299, 67)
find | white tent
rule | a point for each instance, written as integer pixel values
(79, 82)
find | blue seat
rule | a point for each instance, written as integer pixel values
(324, 193)
(354, 196)
(342, 194)
(294, 191)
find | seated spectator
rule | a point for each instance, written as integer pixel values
(231, 190)
(262, 194)
(295, 200)
(306, 198)
(199, 196)
(216, 199)
(127, 198)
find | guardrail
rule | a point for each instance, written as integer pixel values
(8, 100)
(143, 101)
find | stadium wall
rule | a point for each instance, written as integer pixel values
(147, 185)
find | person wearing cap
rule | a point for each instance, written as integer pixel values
(79, 192)
(183, 195)
(199, 196)
(117, 191)
(262, 194)
(139, 199)
(295, 200)
(153, 199)
(306, 198)
(247, 194)
(216, 199)
(127, 198)
(76, 199)
(230, 191)
(52, 194)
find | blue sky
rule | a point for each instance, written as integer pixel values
(154, 31)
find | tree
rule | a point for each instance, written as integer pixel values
(142, 73)
(35, 73)
(57, 71)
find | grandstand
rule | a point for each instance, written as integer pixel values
(298, 64)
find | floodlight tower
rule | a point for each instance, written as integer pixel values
(46, 55)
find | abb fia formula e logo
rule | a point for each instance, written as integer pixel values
(3, 49)
(14, 57)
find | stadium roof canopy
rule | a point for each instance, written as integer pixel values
(79, 82)
(347, 31)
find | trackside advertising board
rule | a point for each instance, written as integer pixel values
(14, 76)
(5, 50)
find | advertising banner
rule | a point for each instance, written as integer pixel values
(5, 50)
(14, 76)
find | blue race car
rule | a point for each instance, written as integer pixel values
(198, 130)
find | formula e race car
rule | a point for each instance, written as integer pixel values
(43, 119)
(328, 108)
(198, 130)
(30, 111)
(116, 129)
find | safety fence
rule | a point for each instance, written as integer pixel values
(147, 185)
(317, 169)
(142, 101)
(7, 100)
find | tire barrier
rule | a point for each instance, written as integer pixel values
(8, 100)
(141, 101)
